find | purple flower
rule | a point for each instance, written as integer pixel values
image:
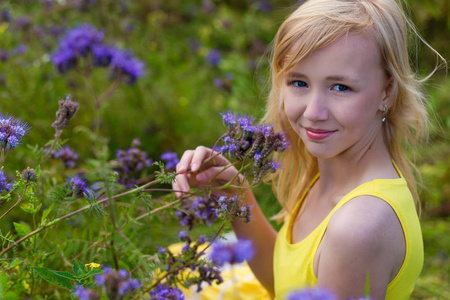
(229, 119)
(171, 159)
(67, 155)
(4, 185)
(123, 273)
(123, 64)
(208, 6)
(183, 235)
(128, 286)
(65, 61)
(4, 55)
(23, 22)
(80, 187)
(47, 3)
(82, 293)
(218, 82)
(81, 39)
(311, 294)
(11, 132)
(164, 292)
(214, 57)
(264, 6)
(130, 163)
(102, 55)
(100, 279)
(21, 49)
(200, 210)
(232, 253)
(5, 16)
(275, 166)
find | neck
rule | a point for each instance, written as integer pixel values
(359, 164)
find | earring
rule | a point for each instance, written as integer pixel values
(383, 119)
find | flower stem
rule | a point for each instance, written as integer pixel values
(17, 202)
(57, 220)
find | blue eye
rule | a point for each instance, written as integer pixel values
(298, 83)
(341, 88)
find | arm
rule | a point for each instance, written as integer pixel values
(195, 170)
(363, 236)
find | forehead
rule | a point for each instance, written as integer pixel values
(352, 46)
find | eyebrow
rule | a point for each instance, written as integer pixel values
(331, 78)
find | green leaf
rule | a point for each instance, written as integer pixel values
(14, 263)
(11, 296)
(30, 209)
(78, 268)
(22, 229)
(66, 274)
(46, 212)
(4, 279)
(92, 273)
(38, 171)
(367, 294)
(53, 277)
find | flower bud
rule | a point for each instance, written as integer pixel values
(29, 175)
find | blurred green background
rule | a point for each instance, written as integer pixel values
(176, 105)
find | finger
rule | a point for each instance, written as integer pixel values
(181, 185)
(224, 174)
(200, 155)
(185, 161)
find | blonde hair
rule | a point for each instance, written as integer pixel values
(318, 23)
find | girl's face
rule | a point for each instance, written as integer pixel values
(335, 96)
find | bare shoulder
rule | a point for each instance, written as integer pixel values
(365, 223)
(364, 218)
(364, 235)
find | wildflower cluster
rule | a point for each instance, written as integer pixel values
(198, 270)
(86, 294)
(209, 208)
(166, 292)
(87, 42)
(232, 253)
(230, 207)
(245, 141)
(171, 160)
(198, 210)
(213, 57)
(11, 132)
(67, 155)
(4, 184)
(80, 187)
(115, 284)
(131, 163)
(311, 294)
(5, 54)
(225, 83)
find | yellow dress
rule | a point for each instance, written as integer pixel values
(239, 282)
(293, 263)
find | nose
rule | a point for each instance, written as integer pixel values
(316, 107)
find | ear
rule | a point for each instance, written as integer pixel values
(388, 93)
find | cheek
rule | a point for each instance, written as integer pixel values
(292, 108)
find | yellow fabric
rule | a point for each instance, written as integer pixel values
(238, 283)
(293, 263)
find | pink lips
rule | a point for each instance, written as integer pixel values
(317, 134)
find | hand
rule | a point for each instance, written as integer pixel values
(200, 168)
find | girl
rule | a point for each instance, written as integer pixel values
(345, 93)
